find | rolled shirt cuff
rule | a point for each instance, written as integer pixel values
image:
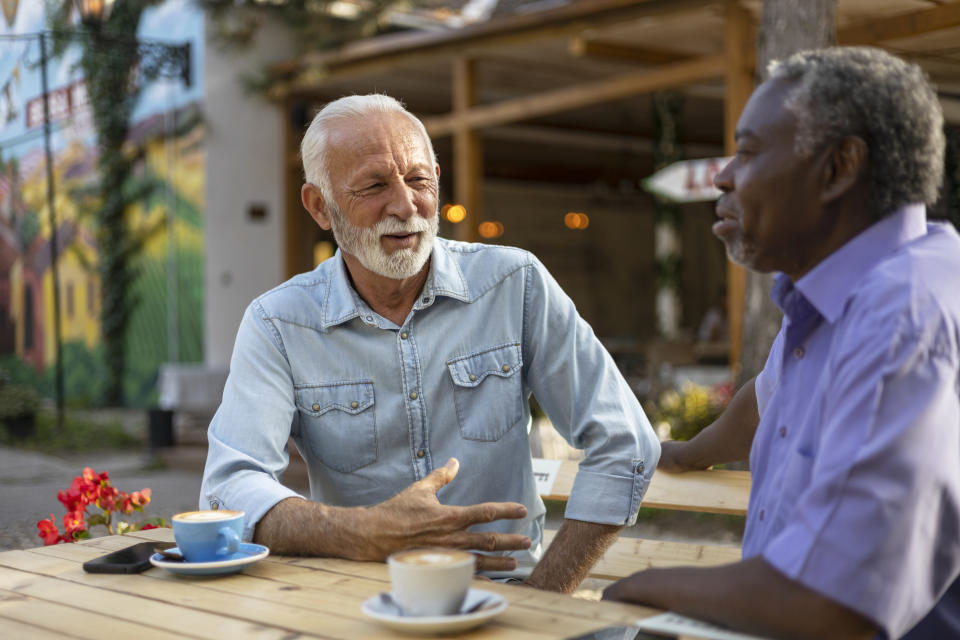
(252, 492)
(604, 498)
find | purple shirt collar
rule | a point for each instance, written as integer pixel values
(828, 285)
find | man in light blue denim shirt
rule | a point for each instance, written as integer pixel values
(402, 368)
(853, 426)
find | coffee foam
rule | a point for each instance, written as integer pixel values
(433, 557)
(206, 516)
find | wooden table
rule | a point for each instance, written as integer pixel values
(44, 593)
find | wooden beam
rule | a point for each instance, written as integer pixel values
(903, 25)
(383, 53)
(581, 47)
(581, 95)
(467, 152)
(616, 143)
(738, 45)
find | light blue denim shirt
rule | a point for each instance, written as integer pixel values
(856, 460)
(373, 406)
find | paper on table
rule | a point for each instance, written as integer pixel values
(545, 473)
(674, 623)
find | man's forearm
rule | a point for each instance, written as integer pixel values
(730, 436)
(576, 548)
(300, 527)
(748, 596)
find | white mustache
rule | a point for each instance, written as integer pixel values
(392, 226)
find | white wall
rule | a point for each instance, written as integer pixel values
(245, 166)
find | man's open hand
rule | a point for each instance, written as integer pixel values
(415, 518)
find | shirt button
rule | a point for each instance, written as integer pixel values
(413, 395)
(403, 336)
(426, 301)
(783, 432)
(761, 514)
(369, 318)
(505, 368)
(421, 453)
(354, 404)
(473, 378)
(316, 407)
(638, 468)
(798, 353)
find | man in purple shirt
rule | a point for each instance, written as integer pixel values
(853, 426)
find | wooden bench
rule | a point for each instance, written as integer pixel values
(712, 491)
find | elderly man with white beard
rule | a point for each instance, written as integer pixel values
(402, 368)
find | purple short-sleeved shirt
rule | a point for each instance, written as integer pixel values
(856, 460)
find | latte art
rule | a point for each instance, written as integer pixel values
(206, 516)
(434, 557)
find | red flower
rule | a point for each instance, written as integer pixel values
(148, 526)
(48, 531)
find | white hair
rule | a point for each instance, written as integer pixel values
(313, 148)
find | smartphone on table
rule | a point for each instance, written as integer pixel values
(133, 559)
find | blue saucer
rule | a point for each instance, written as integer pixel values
(246, 555)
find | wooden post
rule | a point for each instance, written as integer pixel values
(467, 150)
(738, 81)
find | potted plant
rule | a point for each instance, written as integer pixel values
(18, 409)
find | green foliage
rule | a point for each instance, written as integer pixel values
(685, 412)
(78, 435)
(17, 400)
(28, 226)
(109, 54)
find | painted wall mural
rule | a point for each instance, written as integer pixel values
(166, 136)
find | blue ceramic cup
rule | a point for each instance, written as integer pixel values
(208, 536)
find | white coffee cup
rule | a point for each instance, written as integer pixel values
(431, 582)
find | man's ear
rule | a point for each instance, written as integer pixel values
(844, 167)
(315, 205)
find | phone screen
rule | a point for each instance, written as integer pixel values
(133, 559)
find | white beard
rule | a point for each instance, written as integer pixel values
(364, 243)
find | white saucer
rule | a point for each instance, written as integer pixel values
(247, 554)
(438, 625)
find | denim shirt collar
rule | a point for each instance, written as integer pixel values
(829, 284)
(342, 302)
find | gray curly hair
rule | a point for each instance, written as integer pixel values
(313, 148)
(889, 103)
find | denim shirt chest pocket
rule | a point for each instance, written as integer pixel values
(338, 423)
(488, 391)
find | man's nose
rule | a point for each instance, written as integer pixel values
(724, 178)
(402, 201)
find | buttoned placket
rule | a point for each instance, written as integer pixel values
(413, 399)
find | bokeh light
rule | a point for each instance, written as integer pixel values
(454, 213)
(490, 229)
(578, 221)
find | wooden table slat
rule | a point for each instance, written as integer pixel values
(276, 597)
(710, 491)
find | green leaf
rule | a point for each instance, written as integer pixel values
(96, 519)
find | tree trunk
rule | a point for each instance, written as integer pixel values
(787, 26)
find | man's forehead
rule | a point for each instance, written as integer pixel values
(766, 110)
(376, 133)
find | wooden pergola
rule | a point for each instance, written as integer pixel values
(564, 82)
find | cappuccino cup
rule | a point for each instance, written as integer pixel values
(208, 536)
(431, 582)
